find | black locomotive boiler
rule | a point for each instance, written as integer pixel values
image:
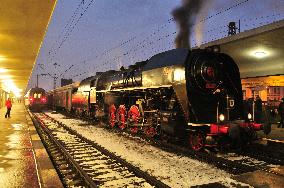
(193, 95)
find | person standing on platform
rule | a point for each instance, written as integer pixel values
(258, 109)
(281, 113)
(9, 106)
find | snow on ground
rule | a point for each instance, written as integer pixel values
(173, 170)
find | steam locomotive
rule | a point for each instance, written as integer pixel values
(35, 99)
(192, 95)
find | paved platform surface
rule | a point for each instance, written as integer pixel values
(275, 134)
(23, 159)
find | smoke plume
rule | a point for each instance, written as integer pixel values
(184, 17)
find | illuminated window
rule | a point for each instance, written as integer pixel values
(244, 94)
(39, 95)
(35, 95)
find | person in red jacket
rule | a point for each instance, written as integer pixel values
(9, 106)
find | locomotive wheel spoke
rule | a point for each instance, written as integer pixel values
(150, 131)
(121, 117)
(196, 140)
(134, 115)
(133, 118)
(112, 110)
(134, 129)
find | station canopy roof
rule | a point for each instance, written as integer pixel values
(258, 52)
(22, 28)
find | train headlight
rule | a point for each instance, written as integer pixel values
(221, 117)
(179, 74)
(249, 116)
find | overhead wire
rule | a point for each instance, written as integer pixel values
(66, 27)
(157, 31)
(71, 28)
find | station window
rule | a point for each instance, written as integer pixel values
(244, 94)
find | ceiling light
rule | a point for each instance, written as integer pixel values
(260, 54)
(2, 58)
(5, 76)
(1, 69)
(10, 85)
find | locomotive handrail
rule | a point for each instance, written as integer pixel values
(134, 88)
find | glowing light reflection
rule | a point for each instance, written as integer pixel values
(2, 58)
(10, 85)
(260, 54)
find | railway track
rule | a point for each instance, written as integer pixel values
(236, 163)
(251, 159)
(87, 164)
(264, 153)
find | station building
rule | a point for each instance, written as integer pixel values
(270, 89)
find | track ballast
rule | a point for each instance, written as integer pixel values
(96, 166)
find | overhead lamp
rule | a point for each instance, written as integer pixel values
(1, 69)
(5, 76)
(260, 54)
(2, 58)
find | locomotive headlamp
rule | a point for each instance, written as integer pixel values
(249, 116)
(221, 117)
(179, 74)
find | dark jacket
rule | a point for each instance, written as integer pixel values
(258, 105)
(281, 108)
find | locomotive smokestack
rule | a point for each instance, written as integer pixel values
(184, 16)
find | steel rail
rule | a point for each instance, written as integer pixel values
(142, 174)
(234, 167)
(83, 174)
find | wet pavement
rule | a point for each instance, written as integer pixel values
(276, 134)
(19, 159)
(25, 163)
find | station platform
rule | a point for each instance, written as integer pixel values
(275, 138)
(24, 161)
(276, 133)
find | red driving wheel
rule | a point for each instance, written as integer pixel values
(150, 131)
(134, 129)
(196, 140)
(112, 110)
(121, 117)
(133, 118)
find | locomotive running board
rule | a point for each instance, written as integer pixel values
(197, 124)
(134, 88)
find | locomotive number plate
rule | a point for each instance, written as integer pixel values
(232, 103)
(210, 86)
